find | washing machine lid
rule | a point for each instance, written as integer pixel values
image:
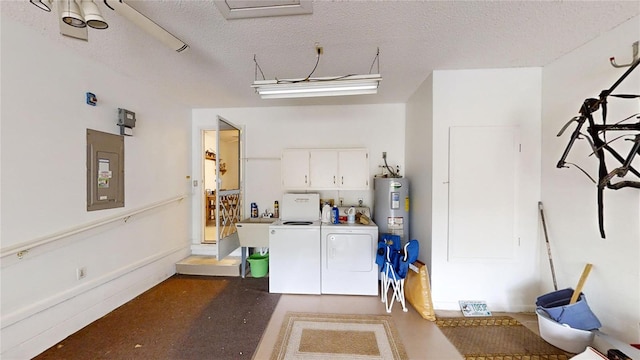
(300, 207)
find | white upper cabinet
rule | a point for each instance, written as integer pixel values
(353, 169)
(325, 169)
(295, 169)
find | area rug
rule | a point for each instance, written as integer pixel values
(338, 336)
(497, 338)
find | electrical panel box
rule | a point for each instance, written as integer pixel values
(105, 170)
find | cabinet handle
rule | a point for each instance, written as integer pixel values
(305, 179)
(334, 179)
(342, 179)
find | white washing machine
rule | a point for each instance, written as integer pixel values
(294, 246)
(348, 255)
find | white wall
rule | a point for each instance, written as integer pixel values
(613, 286)
(267, 131)
(419, 160)
(495, 97)
(44, 122)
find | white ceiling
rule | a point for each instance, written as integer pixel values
(414, 38)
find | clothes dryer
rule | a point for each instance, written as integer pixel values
(348, 255)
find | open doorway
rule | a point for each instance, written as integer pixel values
(222, 193)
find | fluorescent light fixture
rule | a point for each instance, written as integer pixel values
(315, 87)
(147, 25)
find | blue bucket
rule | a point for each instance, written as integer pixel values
(577, 315)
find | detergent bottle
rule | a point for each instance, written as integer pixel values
(351, 215)
(326, 213)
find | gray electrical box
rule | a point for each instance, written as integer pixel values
(126, 121)
(126, 118)
(105, 170)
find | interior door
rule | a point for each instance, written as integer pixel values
(228, 188)
(222, 178)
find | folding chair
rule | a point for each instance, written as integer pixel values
(386, 244)
(394, 263)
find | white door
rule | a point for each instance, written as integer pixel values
(222, 191)
(482, 193)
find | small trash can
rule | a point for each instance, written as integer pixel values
(259, 264)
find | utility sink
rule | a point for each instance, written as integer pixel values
(254, 232)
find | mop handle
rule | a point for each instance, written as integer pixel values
(546, 238)
(583, 278)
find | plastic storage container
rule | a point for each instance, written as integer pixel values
(577, 315)
(326, 213)
(563, 336)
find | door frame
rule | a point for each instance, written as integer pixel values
(198, 247)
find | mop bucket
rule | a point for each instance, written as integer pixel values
(577, 315)
(259, 264)
(563, 337)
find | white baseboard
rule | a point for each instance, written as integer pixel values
(29, 336)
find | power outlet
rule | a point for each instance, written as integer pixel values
(81, 272)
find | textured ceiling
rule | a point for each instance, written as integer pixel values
(414, 38)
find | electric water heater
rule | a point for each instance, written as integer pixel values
(391, 206)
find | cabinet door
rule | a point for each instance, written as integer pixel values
(353, 169)
(323, 169)
(295, 169)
